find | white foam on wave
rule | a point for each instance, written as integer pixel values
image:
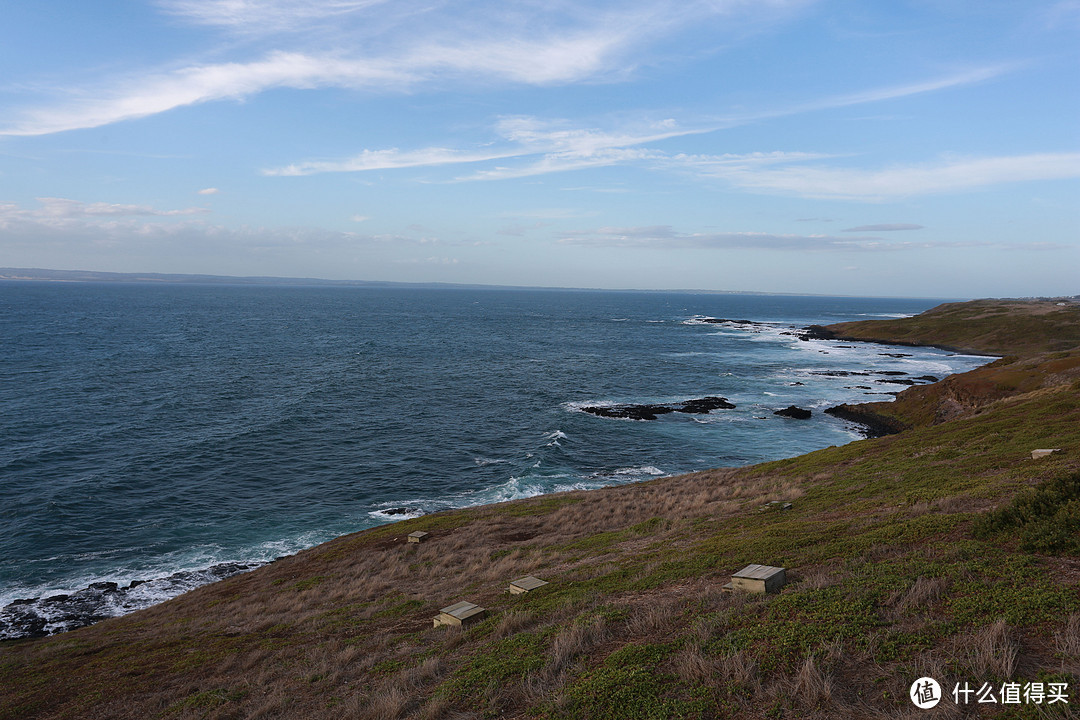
(484, 462)
(639, 471)
(554, 437)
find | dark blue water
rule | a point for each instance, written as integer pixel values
(150, 429)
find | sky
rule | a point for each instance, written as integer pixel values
(917, 148)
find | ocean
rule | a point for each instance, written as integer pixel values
(159, 436)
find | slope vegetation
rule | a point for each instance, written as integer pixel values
(942, 551)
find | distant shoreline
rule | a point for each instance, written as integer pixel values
(15, 275)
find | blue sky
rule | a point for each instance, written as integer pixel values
(916, 148)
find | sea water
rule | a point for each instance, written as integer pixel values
(154, 432)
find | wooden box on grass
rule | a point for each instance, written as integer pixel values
(758, 579)
(526, 584)
(460, 614)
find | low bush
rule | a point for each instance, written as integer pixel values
(1046, 518)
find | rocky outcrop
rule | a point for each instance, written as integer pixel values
(38, 617)
(797, 413)
(652, 411)
(870, 424)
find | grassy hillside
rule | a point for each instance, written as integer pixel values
(993, 327)
(943, 550)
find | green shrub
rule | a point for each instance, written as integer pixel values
(1045, 518)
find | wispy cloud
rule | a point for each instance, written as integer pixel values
(141, 96)
(968, 76)
(945, 176)
(63, 209)
(563, 147)
(887, 227)
(666, 237)
(62, 222)
(389, 160)
(248, 17)
(406, 45)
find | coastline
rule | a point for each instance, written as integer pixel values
(888, 569)
(62, 612)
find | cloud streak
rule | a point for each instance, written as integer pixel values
(887, 227)
(945, 176)
(563, 148)
(62, 222)
(407, 45)
(666, 237)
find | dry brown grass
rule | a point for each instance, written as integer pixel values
(923, 593)
(344, 630)
(991, 652)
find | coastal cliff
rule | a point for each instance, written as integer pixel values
(940, 550)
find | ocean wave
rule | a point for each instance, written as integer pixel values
(59, 612)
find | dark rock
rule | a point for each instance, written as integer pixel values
(725, 320)
(895, 355)
(704, 405)
(399, 511)
(98, 601)
(104, 586)
(839, 373)
(651, 412)
(796, 383)
(629, 412)
(794, 412)
(817, 332)
(897, 381)
(870, 424)
(891, 372)
(927, 378)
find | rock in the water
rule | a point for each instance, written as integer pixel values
(38, 617)
(399, 511)
(794, 412)
(705, 404)
(651, 412)
(629, 412)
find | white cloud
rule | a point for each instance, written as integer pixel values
(949, 175)
(208, 191)
(262, 16)
(60, 222)
(666, 237)
(562, 146)
(565, 147)
(402, 46)
(63, 209)
(148, 95)
(964, 77)
(387, 160)
(886, 227)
